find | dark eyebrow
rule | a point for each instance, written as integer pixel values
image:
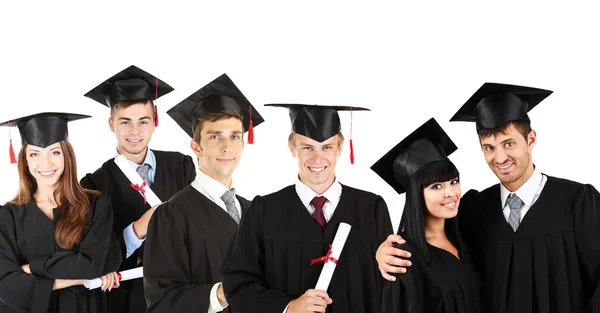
(507, 140)
(214, 132)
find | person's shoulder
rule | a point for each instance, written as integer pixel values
(563, 183)
(282, 193)
(169, 155)
(363, 197)
(10, 208)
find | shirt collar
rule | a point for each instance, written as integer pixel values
(214, 188)
(527, 191)
(333, 193)
(150, 159)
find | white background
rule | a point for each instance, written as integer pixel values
(405, 62)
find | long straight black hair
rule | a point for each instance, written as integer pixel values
(412, 224)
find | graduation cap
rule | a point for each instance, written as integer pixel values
(318, 122)
(427, 144)
(495, 104)
(42, 129)
(220, 95)
(133, 84)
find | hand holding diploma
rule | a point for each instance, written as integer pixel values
(134, 273)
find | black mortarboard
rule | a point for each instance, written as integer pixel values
(131, 83)
(427, 144)
(42, 129)
(318, 122)
(220, 95)
(495, 104)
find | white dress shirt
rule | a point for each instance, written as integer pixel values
(213, 190)
(333, 194)
(529, 192)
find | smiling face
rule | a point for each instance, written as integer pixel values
(133, 126)
(316, 160)
(508, 154)
(46, 165)
(220, 148)
(442, 199)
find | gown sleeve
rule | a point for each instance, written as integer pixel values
(402, 295)
(20, 291)
(167, 269)
(587, 234)
(189, 170)
(97, 254)
(243, 268)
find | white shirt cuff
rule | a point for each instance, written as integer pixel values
(132, 242)
(285, 310)
(215, 305)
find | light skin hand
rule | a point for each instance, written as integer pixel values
(110, 281)
(311, 301)
(391, 259)
(140, 227)
(221, 296)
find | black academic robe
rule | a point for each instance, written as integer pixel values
(442, 285)
(269, 263)
(27, 237)
(187, 238)
(173, 172)
(551, 263)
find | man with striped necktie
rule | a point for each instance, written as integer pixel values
(534, 237)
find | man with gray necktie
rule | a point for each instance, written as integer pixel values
(189, 234)
(130, 96)
(533, 237)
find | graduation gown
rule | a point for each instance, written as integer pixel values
(187, 238)
(173, 172)
(551, 263)
(445, 284)
(27, 237)
(269, 263)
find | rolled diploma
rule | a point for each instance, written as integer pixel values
(336, 249)
(125, 275)
(135, 178)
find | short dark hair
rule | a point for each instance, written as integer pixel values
(213, 117)
(127, 103)
(412, 224)
(523, 127)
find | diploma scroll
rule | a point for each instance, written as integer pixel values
(136, 181)
(124, 275)
(332, 256)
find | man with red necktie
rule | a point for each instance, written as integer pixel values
(268, 265)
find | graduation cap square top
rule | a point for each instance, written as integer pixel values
(42, 129)
(494, 104)
(131, 83)
(427, 144)
(318, 122)
(220, 95)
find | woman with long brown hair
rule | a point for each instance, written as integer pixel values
(54, 234)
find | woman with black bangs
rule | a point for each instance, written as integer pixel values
(442, 277)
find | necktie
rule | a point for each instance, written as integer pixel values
(318, 203)
(143, 171)
(515, 204)
(229, 198)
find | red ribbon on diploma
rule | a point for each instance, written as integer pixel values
(119, 275)
(325, 259)
(140, 189)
